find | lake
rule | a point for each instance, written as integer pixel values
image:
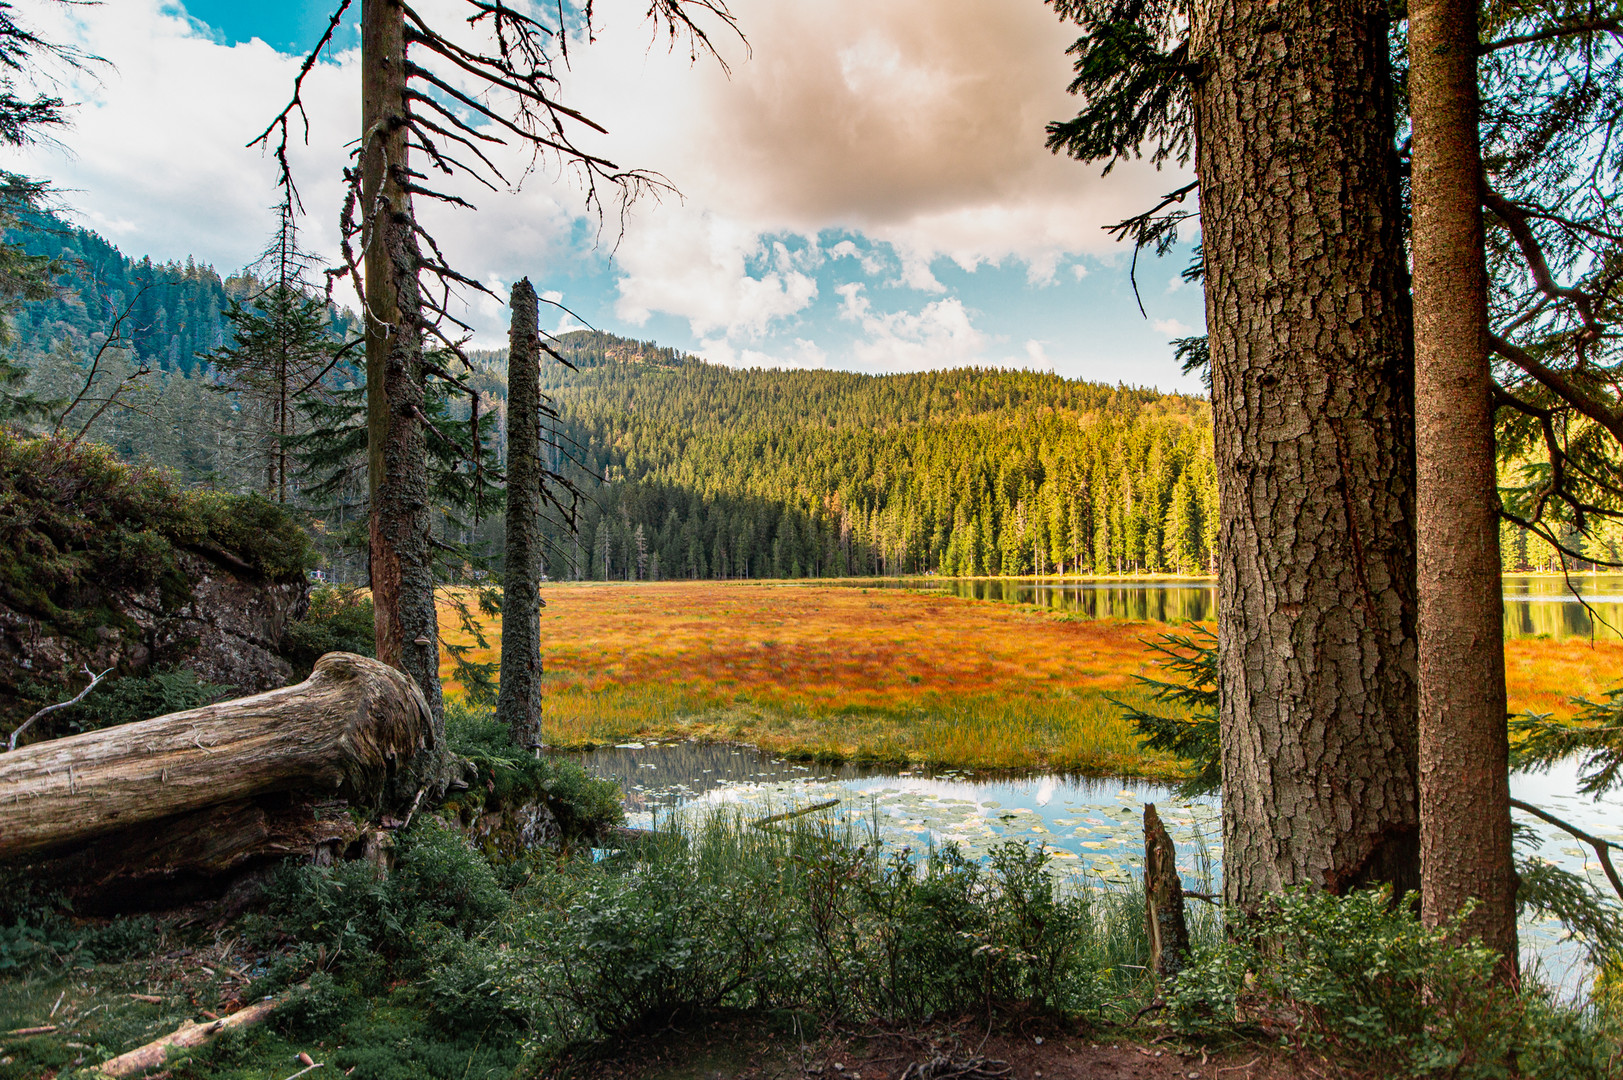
(1536, 605)
(1092, 826)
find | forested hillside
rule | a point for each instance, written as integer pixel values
(714, 472)
(175, 310)
(690, 469)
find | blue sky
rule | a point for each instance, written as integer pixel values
(287, 25)
(866, 190)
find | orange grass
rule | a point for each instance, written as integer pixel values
(885, 675)
(877, 675)
(1541, 674)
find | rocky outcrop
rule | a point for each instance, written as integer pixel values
(104, 565)
(227, 630)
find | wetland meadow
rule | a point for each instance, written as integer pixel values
(973, 674)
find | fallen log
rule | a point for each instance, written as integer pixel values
(186, 1037)
(349, 731)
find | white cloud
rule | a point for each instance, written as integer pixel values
(916, 272)
(1037, 356)
(697, 266)
(157, 157)
(917, 124)
(1172, 328)
(870, 260)
(803, 354)
(913, 129)
(938, 335)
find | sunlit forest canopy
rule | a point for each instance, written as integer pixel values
(707, 471)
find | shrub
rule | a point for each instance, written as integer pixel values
(1360, 978)
(134, 698)
(583, 805)
(320, 1006)
(802, 917)
(439, 879)
(340, 619)
(346, 920)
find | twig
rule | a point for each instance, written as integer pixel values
(308, 1068)
(1595, 842)
(11, 743)
(407, 824)
(44, 1029)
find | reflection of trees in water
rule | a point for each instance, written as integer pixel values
(1549, 608)
(1151, 601)
(1558, 619)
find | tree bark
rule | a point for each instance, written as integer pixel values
(1312, 391)
(401, 556)
(518, 702)
(347, 731)
(1465, 851)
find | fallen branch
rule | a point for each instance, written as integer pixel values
(11, 743)
(802, 812)
(185, 1037)
(23, 1032)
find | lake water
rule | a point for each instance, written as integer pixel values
(1535, 604)
(1093, 827)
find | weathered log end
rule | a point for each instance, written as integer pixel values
(206, 792)
(390, 723)
(1163, 899)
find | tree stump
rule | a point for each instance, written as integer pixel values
(1163, 899)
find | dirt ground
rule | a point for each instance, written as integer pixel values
(736, 1050)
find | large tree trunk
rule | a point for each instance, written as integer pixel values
(1306, 303)
(518, 704)
(1464, 745)
(348, 731)
(401, 556)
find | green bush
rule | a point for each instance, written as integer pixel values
(316, 1008)
(134, 698)
(1358, 977)
(505, 775)
(340, 619)
(439, 879)
(803, 916)
(349, 921)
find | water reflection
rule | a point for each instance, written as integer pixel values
(1093, 827)
(1535, 605)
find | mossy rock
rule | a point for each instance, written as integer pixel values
(114, 565)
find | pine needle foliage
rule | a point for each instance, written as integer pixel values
(1191, 732)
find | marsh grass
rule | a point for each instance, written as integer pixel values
(886, 676)
(880, 676)
(986, 733)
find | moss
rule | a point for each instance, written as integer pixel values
(506, 777)
(339, 620)
(74, 519)
(77, 525)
